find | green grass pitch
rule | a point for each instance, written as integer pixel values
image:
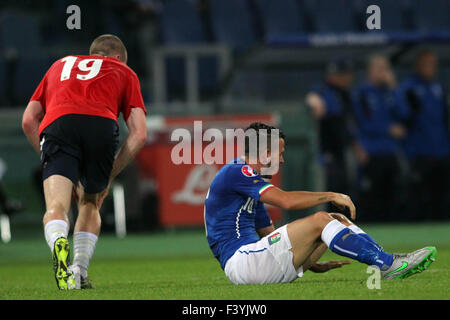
(179, 265)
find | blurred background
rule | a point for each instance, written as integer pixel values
(365, 112)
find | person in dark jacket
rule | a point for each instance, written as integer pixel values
(379, 132)
(330, 104)
(427, 145)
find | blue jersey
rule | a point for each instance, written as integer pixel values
(424, 111)
(375, 111)
(233, 211)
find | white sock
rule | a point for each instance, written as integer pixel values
(331, 230)
(55, 229)
(84, 246)
(355, 229)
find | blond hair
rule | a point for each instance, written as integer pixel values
(109, 45)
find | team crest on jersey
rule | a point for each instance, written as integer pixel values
(248, 171)
(274, 238)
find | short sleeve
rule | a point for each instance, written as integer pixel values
(132, 97)
(39, 93)
(262, 218)
(247, 182)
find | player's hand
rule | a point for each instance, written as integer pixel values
(343, 201)
(102, 196)
(397, 131)
(317, 105)
(78, 192)
(320, 267)
(361, 155)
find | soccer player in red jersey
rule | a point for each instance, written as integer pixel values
(71, 121)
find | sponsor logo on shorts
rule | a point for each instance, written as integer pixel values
(274, 238)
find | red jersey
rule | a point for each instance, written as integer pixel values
(91, 85)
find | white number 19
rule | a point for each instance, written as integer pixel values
(93, 70)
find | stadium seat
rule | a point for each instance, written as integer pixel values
(180, 23)
(333, 16)
(280, 17)
(393, 15)
(431, 14)
(19, 32)
(232, 24)
(208, 77)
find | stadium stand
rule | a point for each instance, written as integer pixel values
(281, 17)
(431, 15)
(181, 24)
(232, 23)
(394, 14)
(28, 74)
(20, 32)
(238, 24)
(329, 16)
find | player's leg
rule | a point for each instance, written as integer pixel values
(315, 256)
(353, 227)
(86, 232)
(100, 139)
(305, 236)
(60, 158)
(58, 191)
(320, 250)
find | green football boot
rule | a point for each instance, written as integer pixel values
(406, 265)
(61, 261)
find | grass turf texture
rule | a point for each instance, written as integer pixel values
(179, 266)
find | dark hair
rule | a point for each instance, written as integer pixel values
(257, 126)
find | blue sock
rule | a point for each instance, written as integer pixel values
(360, 232)
(352, 245)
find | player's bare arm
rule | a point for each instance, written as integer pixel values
(137, 127)
(30, 123)
(298, 200)
(135, 141)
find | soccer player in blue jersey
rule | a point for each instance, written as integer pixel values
(250, 250)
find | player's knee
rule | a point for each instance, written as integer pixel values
(341, 218)
(321, 219)
(56, 209)
(88, 200)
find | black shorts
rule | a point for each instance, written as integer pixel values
(80, 148)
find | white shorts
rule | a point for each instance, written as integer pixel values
(267, 261)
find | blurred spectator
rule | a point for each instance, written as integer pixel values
(330, 103)
(8, 206)
(375, 108)
(427, 145)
